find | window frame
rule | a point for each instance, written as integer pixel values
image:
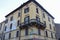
(11, 26)
(11, 18)
(26, 10)
(46, 33)
(37, 11)
(18, 22)
(26, 19)
(17, 34)
(9, 35)
(26, 31)
(19, 14)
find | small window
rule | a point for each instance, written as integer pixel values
(46, 33)
(17, 34)
(37, 10)
(26, 31)
(11, 26)
(11, 18)
(48, 18)
(18, 23)
(26, 10)
(43, 15)
(5, 28)
(51, 35)
(52, 21)
(50, 26)
(26, 19)
(9, 35)
(39, 32)
(6, 21)
(19, 14)
(54, 28)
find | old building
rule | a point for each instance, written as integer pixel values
(30, 21)
(57, 26)
(1, 30)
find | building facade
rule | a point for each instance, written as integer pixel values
(57, 26)
(30, 21)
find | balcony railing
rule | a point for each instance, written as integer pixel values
(32, 22)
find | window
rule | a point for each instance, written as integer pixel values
(46, 33)
(37, 18)
(45, 23)
(11, 18)
(48, 18)
(26, 19)
(52, 21)
(9, 35)
(19, 14)
(5, 28)
(17, 33)
(6, 21)
(54, 28)
(26, 31)
(18, 23)
(50, 26)
(39, 32)
(37, 10)
(43, 15)
(51, 35)
(11, 26)
(26, 10)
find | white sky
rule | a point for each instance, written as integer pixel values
(52, 6)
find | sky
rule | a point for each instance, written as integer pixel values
(52, 6)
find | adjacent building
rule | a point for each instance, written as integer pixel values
(57, 31)
(30, 21)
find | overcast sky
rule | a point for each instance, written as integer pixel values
(52, 6)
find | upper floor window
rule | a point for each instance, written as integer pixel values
(43, 15)
(50, 26)
(26, 10)
(18, 14)
(6, 21)
(51, 35)
(11, 18)
(11, 26)
(26, 31)
(48, 18)
(17, 33)
(9, 35)
(45, 23)
(37, 10)
(46, 33)
(5, 28)
(54, 28)
(26, 19)
(52, 21)
(18, 22)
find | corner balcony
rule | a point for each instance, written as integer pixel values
(31, 22)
